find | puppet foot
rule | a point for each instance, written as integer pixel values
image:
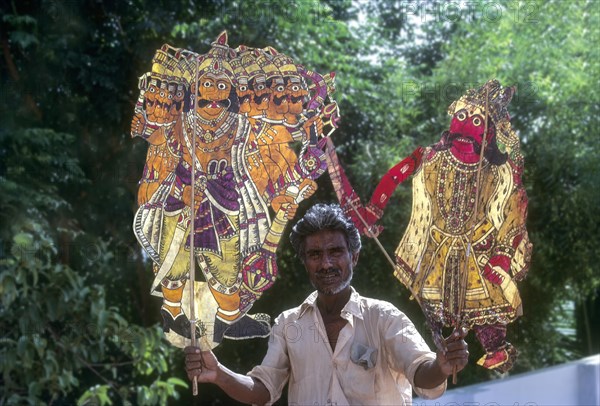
(180, 324)
(501, 360)
(246, 327)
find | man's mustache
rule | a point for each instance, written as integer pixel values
(327, 271)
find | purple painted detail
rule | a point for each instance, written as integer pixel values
(321, 88)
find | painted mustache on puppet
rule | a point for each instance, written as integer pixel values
(224, 103)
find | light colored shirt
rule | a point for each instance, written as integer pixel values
(299, 351)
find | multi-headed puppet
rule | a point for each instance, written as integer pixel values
(219, 185)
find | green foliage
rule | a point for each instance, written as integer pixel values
(58, 334)
(78, 323)
(546, 49)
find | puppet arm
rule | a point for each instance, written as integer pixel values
(373, 211)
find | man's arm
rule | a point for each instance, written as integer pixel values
(205, 366)
(432, 373)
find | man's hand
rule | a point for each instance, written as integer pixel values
(204, 366)
(201, 364)
(456, 353)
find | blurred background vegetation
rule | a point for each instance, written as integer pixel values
(77, 323)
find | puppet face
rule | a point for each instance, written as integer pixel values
(466, 132)
(213, 94)
(178, 94)
(295, 95)
(469, 126)
(150, 97)
(260, 93)
(244, 94)
(161, 103)
(328, 261)
(278, 104)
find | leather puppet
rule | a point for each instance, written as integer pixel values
(466, 245)
(222, 179)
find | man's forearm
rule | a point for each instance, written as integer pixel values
(241, 387)
(429, 375)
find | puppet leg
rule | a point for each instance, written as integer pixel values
(222, 272)
(231, 323)
(173, 317)
(500, 354)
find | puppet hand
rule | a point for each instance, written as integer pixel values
(187, 197)
(315, 120)
(495, 264)
(307, 188)
(201, 364)
(371, 214)
(456, 353)
(373, 231)
(286, 203)
(137, 125)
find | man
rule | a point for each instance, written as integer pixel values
(337, 347)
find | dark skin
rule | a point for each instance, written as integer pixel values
(329, 265)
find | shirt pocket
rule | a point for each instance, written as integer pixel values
(357, 382)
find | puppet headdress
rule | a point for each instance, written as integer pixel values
(499, 98)
(217, 58)
(266, 64)
(283, 63)
(250, 64)
(237, 64)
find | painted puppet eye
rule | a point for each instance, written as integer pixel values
(207, 84)
(260, 87)
(295, 88)
(243, 88)
(179, 94)
(221, 86)
(461, 116)
(476, 121)
(280, 88)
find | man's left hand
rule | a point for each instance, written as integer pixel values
(456, 353)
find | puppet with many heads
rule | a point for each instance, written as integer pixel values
(466, 245)
(220, 183)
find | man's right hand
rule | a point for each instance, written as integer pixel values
(201, 364)
(206, 368)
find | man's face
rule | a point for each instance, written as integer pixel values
(328, 261)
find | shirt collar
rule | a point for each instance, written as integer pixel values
(353, 306)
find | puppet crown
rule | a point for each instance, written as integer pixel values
(498, 99)
(217, 58)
